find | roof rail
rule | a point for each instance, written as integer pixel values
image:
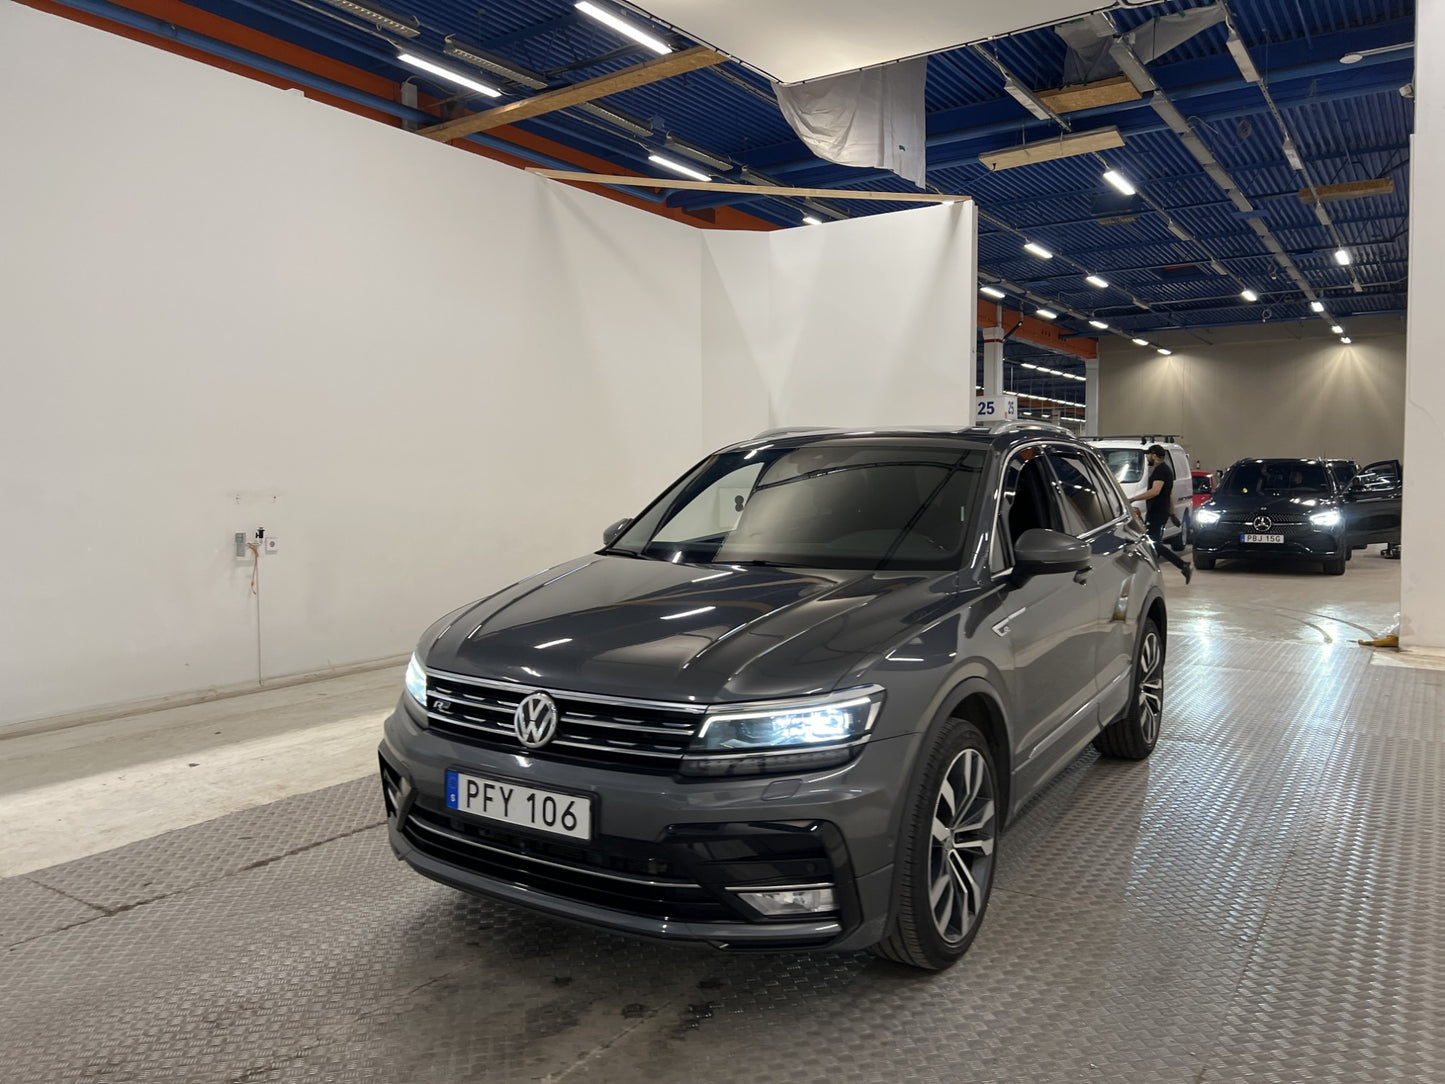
(1142, 438)
(790, 430)
(1020, 426)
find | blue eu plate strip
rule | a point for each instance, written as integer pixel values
(451, 790)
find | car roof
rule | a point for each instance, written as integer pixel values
(998, 438)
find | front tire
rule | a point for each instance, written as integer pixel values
(1335, 566)
(1204, 564)
(945, 874)
(1134, 736)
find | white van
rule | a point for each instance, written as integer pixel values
(1125, 456)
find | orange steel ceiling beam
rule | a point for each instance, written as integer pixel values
(1039, 332)
(243, 37)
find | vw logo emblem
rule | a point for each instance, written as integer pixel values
(1262, 524)
(535, 720)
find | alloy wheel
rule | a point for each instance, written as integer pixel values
(1151, 686)
(962, 845)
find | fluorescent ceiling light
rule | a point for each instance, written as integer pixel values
(1337, 329)
(1217, 267)
(678, 167)
(449, 75)
(1249, 295)
(1317, 306)
(1025, 98)
(1342, 256)
(616, 117)
(1346, 340)
(497, 65)
(992, 291)
(1180, 232)
(1241, 57)
(1141, 342)
(814, 220)
(406, 25)
(1291, 155)
(1095, 280)
(1046, 314)
(699, 154)
(1119, 181)
(636, 33)
(1161, 350)
(1038, 250)
(1099, 324)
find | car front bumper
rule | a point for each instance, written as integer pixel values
(668, 857)
(1301, 543)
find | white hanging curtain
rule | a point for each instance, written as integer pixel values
(872, 117)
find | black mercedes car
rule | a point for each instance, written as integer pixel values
(792, 703)
(1277, 509)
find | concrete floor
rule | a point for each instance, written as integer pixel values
(206, 894)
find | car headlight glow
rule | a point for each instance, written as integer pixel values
(416, 681)
(780, 736)
(1330, 517)
(1205, 517)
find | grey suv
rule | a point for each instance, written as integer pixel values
(791, 704)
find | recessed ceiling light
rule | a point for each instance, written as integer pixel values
(1141, 342)
(1248, 294)
(1046, 314)
(1095, 280)
(1119, 181)
(1099, 324)
(992, 291)
(1038, 250)
(1317, 306)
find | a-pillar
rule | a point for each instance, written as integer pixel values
(1091, 397)
(1422, 575)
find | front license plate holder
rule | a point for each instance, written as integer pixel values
(1253, 538)
(503, 801)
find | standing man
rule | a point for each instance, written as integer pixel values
(1157, 499)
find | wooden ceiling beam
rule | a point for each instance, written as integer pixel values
(1333, 193)
(750, 189)
(1089, 95)
(649, 71)
(1046, 150)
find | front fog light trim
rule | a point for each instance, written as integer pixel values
(780, 901)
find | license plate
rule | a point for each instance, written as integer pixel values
(1261, 538)
(526, 807)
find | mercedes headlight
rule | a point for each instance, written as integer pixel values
(784, 736)
(416, 681)
(1330, 517)
(1205, 517)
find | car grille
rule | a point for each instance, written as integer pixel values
(642, 735)
(604, 873)
(1292, 527)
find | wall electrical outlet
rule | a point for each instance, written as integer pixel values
(270, 545)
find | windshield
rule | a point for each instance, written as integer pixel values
(1125, 464)
(1276, 478)
(894, 504)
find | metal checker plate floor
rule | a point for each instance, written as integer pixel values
(1261, 901)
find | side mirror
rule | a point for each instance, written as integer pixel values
(613, 533)
(1041, 552)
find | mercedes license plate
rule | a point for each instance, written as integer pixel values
(1261, 538)
(526, 807)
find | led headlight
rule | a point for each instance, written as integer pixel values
(784, 736)
(1330, 517)
(416, 681)
(1205, 517)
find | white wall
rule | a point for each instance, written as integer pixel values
(857, 322)
(223, 306)
(1422, 586)
(1286, 390)
(226, 306)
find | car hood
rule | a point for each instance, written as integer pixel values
(1254, 504)
(623, 626)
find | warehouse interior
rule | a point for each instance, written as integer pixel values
(291, 376)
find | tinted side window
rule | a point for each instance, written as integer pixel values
(1085, 509)
(1109, 490)
(1027, 499)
